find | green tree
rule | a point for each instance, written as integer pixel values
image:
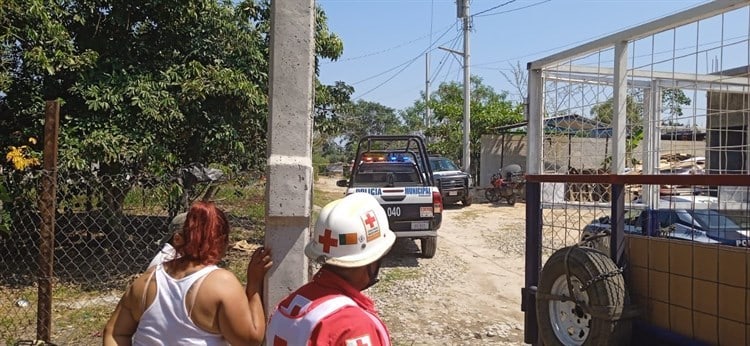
(414, 118)
(330, 100)
(604, 113)
(672, 101)
(364, 118)
(146, 86)
(489, 110)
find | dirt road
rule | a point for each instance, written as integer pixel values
(469, 293)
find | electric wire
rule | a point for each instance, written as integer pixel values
(445, 57)
(385, 50)
(511, 10)
(448, 72)
(405, 66)
(569, 44)
(401, 64)
(452, 61)
(493, 8)
(432, 17)
(392, 77)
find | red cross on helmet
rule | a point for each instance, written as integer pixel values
(351, 232)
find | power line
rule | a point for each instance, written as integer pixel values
(452, 61)
(384, 72)
(392, 77)
(515, 9)
(389, 48)
(493, 8)
(569, 44)
(447, 55)
(403, 63)
(432, 17)
(377, 52)
(512, 10)
(408, 63)
(450, 68)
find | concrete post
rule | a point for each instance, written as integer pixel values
(466, 157)
(620, 113)
(289, 171)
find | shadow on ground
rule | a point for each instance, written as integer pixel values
(404, 253)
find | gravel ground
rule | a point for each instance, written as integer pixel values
(469, 293)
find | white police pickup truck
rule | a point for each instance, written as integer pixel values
(395, 170)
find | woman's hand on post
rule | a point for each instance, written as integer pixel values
(260, 263)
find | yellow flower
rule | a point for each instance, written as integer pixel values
(12, 153)
(19, 159)
(32, 140)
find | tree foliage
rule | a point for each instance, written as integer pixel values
(604, 112)
(672, 101)
(146, 85)
(363, 118)
(489, 110)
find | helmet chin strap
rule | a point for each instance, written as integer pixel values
(372, 274)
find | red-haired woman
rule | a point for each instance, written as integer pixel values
(189, 300)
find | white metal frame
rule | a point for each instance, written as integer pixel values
(621, 73)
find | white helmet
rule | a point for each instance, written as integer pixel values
(351, 232)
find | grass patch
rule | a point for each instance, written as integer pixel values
(321, 198)
(392, 275)
(78, 315)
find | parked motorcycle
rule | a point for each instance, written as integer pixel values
(505, 184)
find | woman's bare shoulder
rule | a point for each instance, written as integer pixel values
(134, 293)
(222, 284)
(223, 276)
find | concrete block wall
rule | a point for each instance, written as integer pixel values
(562, 151)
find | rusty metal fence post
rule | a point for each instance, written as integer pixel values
(47, 229)
(617, 217)
(533, 259)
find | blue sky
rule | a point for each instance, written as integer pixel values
(385, 40)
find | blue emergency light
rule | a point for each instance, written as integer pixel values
(398, 158)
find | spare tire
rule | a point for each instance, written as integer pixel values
(600, 288)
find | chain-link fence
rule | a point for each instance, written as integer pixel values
(106, 230)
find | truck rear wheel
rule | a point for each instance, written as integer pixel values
(429, 246)
(467, 199)
(597, 284)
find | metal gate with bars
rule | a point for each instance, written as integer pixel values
(669, 100)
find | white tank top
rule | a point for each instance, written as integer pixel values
(166, 321)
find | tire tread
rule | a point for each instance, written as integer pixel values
(586, 263)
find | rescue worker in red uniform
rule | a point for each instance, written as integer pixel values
(350, 239)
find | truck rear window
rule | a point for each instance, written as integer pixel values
(387, 174)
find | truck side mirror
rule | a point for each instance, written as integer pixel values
(342, 183)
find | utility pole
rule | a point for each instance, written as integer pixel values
(463, 12)
(427, 110)
(289, 172)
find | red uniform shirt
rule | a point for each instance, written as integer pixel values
(350, 325)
